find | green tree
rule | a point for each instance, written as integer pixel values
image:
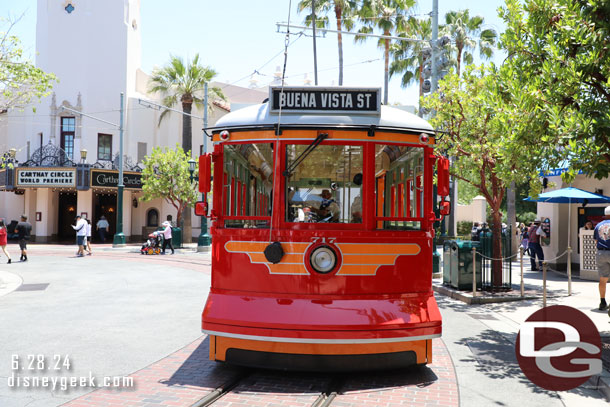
(481, 131)
(465, 32)
(560, 61)
(407, 55)
(21, 82)
(183, 82)
(166, 175)
(343, 10)
(389, 16)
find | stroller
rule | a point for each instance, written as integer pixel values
(152, 245)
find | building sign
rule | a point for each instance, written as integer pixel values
(40, 177)
(110, 179)
(325, 100)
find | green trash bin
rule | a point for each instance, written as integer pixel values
(176, 237)
(447, 261)
(461, 265)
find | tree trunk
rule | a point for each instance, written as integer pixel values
(386, 67)
(187, 146)
(496, 264)
(459, 61)
(187, 133)
(338, 13)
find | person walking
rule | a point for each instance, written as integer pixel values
(102, 228)
(23, 229)
(88, 237)
(81, 235)
(601, 235)
(3, 240)
(167, 236)
(534, 233)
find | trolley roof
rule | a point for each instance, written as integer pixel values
(259, 117)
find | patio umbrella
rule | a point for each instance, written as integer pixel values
(570, 195)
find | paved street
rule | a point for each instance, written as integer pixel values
(118, 313)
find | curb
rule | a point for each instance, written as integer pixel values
(483, 299)
(601, 383)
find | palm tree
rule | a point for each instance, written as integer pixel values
(343, 9)
(407, 55)
(464, 32)
(184, 82)
(390, 17)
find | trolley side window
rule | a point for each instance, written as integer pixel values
(399, 191)
(247, 185)
(325, 185)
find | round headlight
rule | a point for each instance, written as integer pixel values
(323, 259)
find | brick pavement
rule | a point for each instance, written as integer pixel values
(187, 375)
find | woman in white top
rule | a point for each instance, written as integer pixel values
(167, 236)
(88, 237)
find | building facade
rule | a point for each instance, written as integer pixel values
(63, 164)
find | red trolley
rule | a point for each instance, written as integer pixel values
(322, 226)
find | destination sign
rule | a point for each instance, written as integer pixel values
(110, 179)
(325, 100)
(61, 177)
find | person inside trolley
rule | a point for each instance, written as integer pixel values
(328, 210)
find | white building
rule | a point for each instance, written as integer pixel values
(93, 47)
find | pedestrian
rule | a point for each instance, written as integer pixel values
(167, 235)
(3, 239)
(102, 228)
(534, 233)
(525, 239)
(602, 240)
(23, 229)
(88, 237)
(81, 235)
(588, 225)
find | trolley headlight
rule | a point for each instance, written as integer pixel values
(323, 259)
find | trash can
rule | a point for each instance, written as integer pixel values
(176, 237)
(447, 261)
(461, 265)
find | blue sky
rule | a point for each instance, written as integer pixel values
(240, 36)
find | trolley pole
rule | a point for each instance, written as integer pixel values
(433, 62)
(119, 237)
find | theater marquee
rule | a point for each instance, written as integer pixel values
(46, 177)
(110, 179)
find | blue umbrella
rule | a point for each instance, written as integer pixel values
(570, 195)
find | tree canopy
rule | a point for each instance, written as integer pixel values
(166, 175)
(21, 82)
(559, 62)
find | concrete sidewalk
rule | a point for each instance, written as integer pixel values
(505, 318)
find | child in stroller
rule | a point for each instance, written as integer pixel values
(152, 245)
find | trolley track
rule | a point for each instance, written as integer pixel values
(324, 398)
(225, 388)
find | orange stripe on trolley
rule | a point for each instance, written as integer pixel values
(376, 259)
(259, 247)
(332, 135)
(379, 248)
(286, 268)
(358, 270)
(288, 258)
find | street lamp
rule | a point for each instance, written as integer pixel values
(205, 240)
(83, 155)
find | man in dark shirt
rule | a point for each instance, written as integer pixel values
(602, 238)
(23, 230)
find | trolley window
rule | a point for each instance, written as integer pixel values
(247, 185)
(399, 179)
(326, 186)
